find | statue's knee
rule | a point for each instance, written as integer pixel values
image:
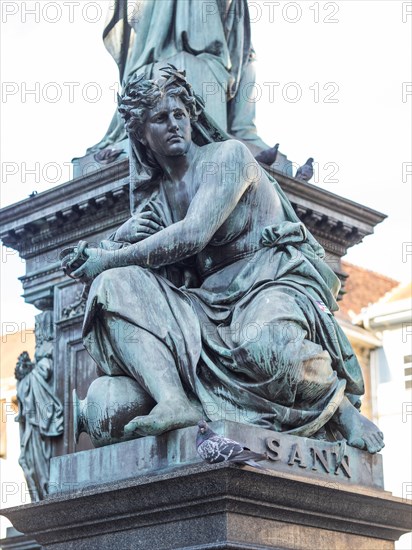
(118, 279)
(318, 368)
(106, 278)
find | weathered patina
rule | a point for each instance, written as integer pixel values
(214, 296)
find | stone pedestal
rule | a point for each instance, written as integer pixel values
(302, 498)
(93, 206)
(219, 507)
(17, 541)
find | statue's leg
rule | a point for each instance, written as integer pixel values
(242, 110)
(151, 363)
(275, 337)
(285, 346)
(30, 476)
(137, 324)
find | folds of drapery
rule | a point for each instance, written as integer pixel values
(143, 32)
(290, 375)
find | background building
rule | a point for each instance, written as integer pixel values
(376, 314)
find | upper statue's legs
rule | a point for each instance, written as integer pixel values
(241, 110)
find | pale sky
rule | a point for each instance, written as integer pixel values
(339, 73)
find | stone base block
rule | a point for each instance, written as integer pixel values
(335, 463)
(154, 493)
(216, 507)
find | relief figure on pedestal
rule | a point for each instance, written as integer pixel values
(213, 296)
(40, 412)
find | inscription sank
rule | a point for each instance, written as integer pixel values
(325, 460)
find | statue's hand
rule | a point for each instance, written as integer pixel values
(140, 227)
(73, 257)
(98, 260)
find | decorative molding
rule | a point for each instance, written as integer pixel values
(69, 223)
(51, 201)
(67, 212)
(336, 236)
(33, 275)
(76, 308)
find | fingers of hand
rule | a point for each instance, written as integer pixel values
(81, 248)
(150, 215)
(154, 207)
(79, 273)
(65, 262)
(147, 226)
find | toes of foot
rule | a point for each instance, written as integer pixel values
(374, 443)
(379, 443)
(377, 439)
(357, 442)
(132, 426)
(129, 429)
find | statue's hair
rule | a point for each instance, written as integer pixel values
(140, 95)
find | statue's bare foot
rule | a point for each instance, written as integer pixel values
(357, 429)
(165, 416)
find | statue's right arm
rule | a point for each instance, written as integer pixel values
(213, 203)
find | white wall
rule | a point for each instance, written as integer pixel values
(394, 405)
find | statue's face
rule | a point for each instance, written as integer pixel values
(167, 130)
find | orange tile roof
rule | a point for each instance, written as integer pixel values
(362, 287)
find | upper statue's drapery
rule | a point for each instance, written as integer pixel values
(210, 40)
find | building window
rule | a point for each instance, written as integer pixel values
(408, 371)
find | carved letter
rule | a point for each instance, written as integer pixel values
(273, 445)
(296, 456)
(322, 456)
(344, 464)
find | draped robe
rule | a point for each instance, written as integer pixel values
(291, 382)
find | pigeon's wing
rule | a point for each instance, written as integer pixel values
(218, 449)
(307, 172)
(261, 157)
(228, 448)
(298, 172)
(247, 455)
(209, 451)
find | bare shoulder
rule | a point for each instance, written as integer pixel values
(228, 163)
(229, 148)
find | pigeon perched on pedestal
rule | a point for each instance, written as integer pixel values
(305, 172)
(214, 448)
(268, 156)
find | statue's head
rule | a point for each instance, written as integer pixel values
(141, 96)
(24, 366)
